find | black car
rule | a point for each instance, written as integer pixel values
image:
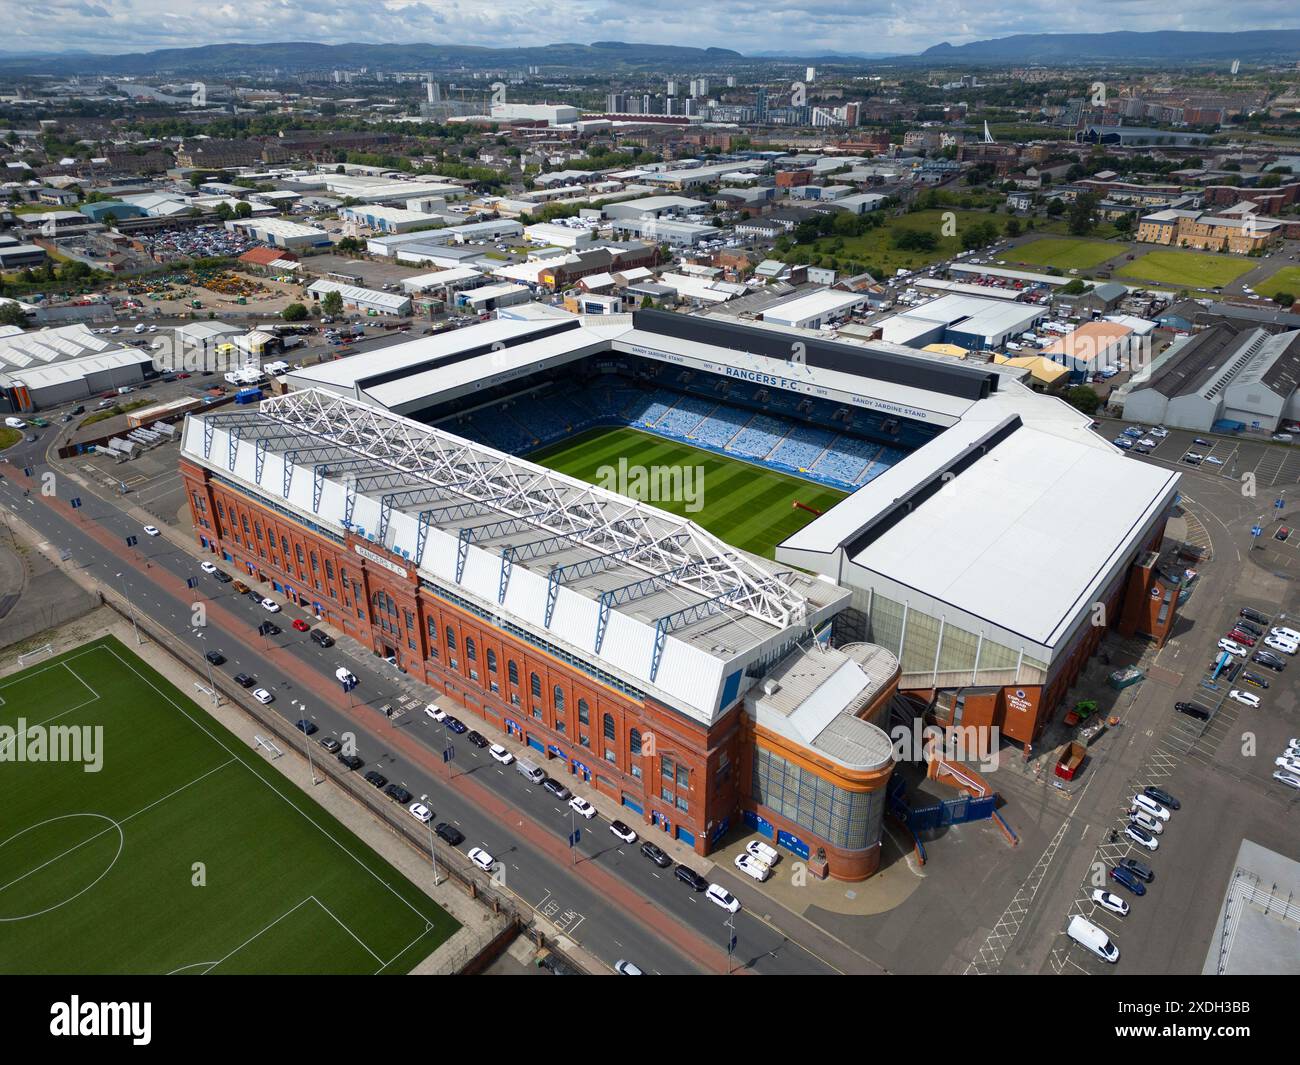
(398, 793)
(1142, 872)
(1163, 797)
(244, 680)
(456, 725)
(222, 576)
(690, 878)
(1202, 443)
(254, 595)
(305, 727)
(477, 740)
(555, 788)
(450, 834)
(1192, 710)
(1246, 626)
(1269, 660)
(78, 409)
(331, 744)
(1254, 680)
(656, 855)
(1140, 450)
(215, 657)
(376, 778)
(267, 628)
(322, 638)
(351, 761)
(1253, 615)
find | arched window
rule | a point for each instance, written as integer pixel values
(535, 685)
(634, 741)
(559, 699)
(609, 726)
(514, 673)
(584, 712)
(451, 638)
(471, 651)
(492, 660)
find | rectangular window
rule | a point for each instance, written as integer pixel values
(683, 776)
(665, 767)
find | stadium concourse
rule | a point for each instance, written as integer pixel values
(695, 683)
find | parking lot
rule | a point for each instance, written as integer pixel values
(1271, 463)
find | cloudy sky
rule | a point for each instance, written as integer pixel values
(897, 26)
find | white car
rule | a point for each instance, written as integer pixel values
(751, 866)
(1146, 441)
(1108, 901)
(1159, 433)
(1291, 765)
(1141, 817)
(720, 896)
(1142, 837)
(270, 605)
(1144, 802)
(622, 832)
(421, 812)
(1232, 647)
(500, 754)
(582, 807)
(1289, 779)
(626, 968)
(1279, 644)
(207, 567)
(436, 712)
(263, 696)
(151, 530)
(482, 859)
(344, 676)
(1245, 698)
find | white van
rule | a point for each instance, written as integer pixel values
(15, 423)
(751, 866)
(1289, 635)
(763, 852)
(530, 771)
(1092, 938)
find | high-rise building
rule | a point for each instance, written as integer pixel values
(672, 86)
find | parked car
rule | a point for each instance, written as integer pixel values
(376, 779)
(1141, 817)
(436, 712)
(582, 807)
(151, 530)
(300, 625)
(324, 639)
(1138, 868)
(1291, 780)
(215, 657)
(1145, 802)
(449, 833)
(690, 878)
(1253, 615)
(751, 866)
(305, 726)
(720, 896)
(1192, 710)
(656, 855)
(263, 696)
(1245, 698)
(456, 725)
(331, 744)
(1141, 836)
(477, 739)
(207, 567)
(420, 812)
(244, 680)
(1243, 638)
(1290, 765)
(500, 754)
(398, 794)
(557, 789)
(1253, 679)
(1269, 661)
(482, 859)
(269, 605)
(1233, 648)
(350, 760)
(766, 854)
(1108, 901)
(622, 831)
(626, 968)
(1242, 625)
(1127, 879)
(1163, 797)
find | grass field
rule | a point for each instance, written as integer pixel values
(876, 248)
(745, 505)
(9, 437)
(1188, 269)
(1064, 253)
(1285, 280)
(185, 852)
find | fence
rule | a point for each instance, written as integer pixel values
(450, 860)
(22, 623)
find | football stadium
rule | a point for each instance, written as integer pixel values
(705, 566)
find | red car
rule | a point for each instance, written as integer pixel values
(1242, 637)
(300, 625)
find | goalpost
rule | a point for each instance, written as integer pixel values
(46, 650)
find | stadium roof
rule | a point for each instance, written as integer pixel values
(643, 594)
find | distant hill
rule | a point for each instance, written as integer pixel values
(290, 57)
(1162, 46)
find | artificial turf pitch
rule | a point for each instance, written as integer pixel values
(186, 852)
(743, 504)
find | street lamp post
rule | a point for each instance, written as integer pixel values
(131, 607)
(306, 744)
(433, 854)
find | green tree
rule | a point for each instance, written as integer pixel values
(12, 314)
(332, 303)
(1081, 214)
(295, 312)
(1083, 398)
(1283, 299)
(244, 209)
(1012, 228)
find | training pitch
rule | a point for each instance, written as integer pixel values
(186, 852)
(746, 505)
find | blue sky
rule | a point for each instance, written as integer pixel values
(899, 26)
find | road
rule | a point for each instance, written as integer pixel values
(614, 902)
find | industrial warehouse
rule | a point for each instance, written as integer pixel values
(388, 494)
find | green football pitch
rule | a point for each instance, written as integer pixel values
(186, 852)
(743, 504)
